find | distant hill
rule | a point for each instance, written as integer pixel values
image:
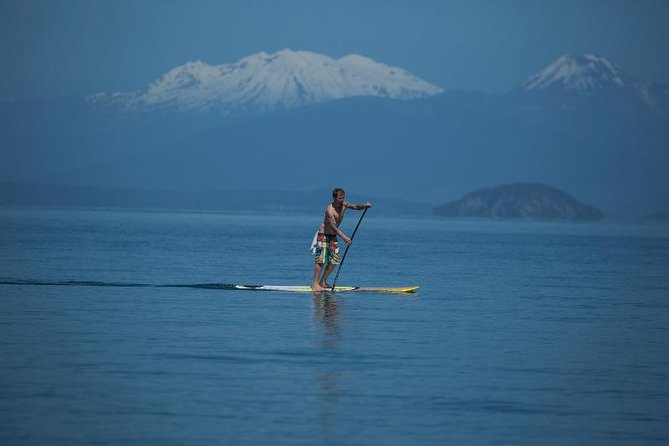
(311, 202)
(531, 201)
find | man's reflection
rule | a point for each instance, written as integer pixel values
(326, 313)
(326, 319)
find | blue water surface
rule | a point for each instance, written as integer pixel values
(522, 333)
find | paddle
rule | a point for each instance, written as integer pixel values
(346, 252)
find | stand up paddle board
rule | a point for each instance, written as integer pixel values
(306, 289)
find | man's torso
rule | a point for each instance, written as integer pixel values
(338, 215)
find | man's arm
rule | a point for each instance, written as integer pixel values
(358, 207)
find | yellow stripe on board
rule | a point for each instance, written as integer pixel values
(411, 289)
(340, 289)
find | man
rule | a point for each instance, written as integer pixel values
(327, 246)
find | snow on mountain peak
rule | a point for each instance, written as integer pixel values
(184, 76)
(264, 81)
(582, 73)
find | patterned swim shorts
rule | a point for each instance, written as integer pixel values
(327, 250)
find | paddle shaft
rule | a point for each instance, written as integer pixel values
(346, 251)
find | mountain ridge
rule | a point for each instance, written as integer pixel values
(574, 78)
(263, 81)
(585, 72)
(266, 201)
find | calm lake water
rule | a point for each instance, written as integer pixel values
(522, 333)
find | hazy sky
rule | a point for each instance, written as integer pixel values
(50, 47)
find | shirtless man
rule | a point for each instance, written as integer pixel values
(327, 247)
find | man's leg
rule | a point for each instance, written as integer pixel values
(332, 262)
(317, 277)
(328, 271)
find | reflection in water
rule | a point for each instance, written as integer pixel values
(326, 320)
(326, 314)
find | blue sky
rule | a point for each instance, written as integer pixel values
(53, 48)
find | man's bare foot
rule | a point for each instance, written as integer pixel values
(317, 287)
(325, 286)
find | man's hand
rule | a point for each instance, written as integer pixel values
(347, 240)
(367, 205)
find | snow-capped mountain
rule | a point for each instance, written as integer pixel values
(264, 81)
(581, 73)
(586, 76)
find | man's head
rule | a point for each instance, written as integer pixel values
(338, 194)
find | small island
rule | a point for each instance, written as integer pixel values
(520, 201)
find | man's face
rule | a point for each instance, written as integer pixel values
(340, 198)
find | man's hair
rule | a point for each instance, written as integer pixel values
(337, 191)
